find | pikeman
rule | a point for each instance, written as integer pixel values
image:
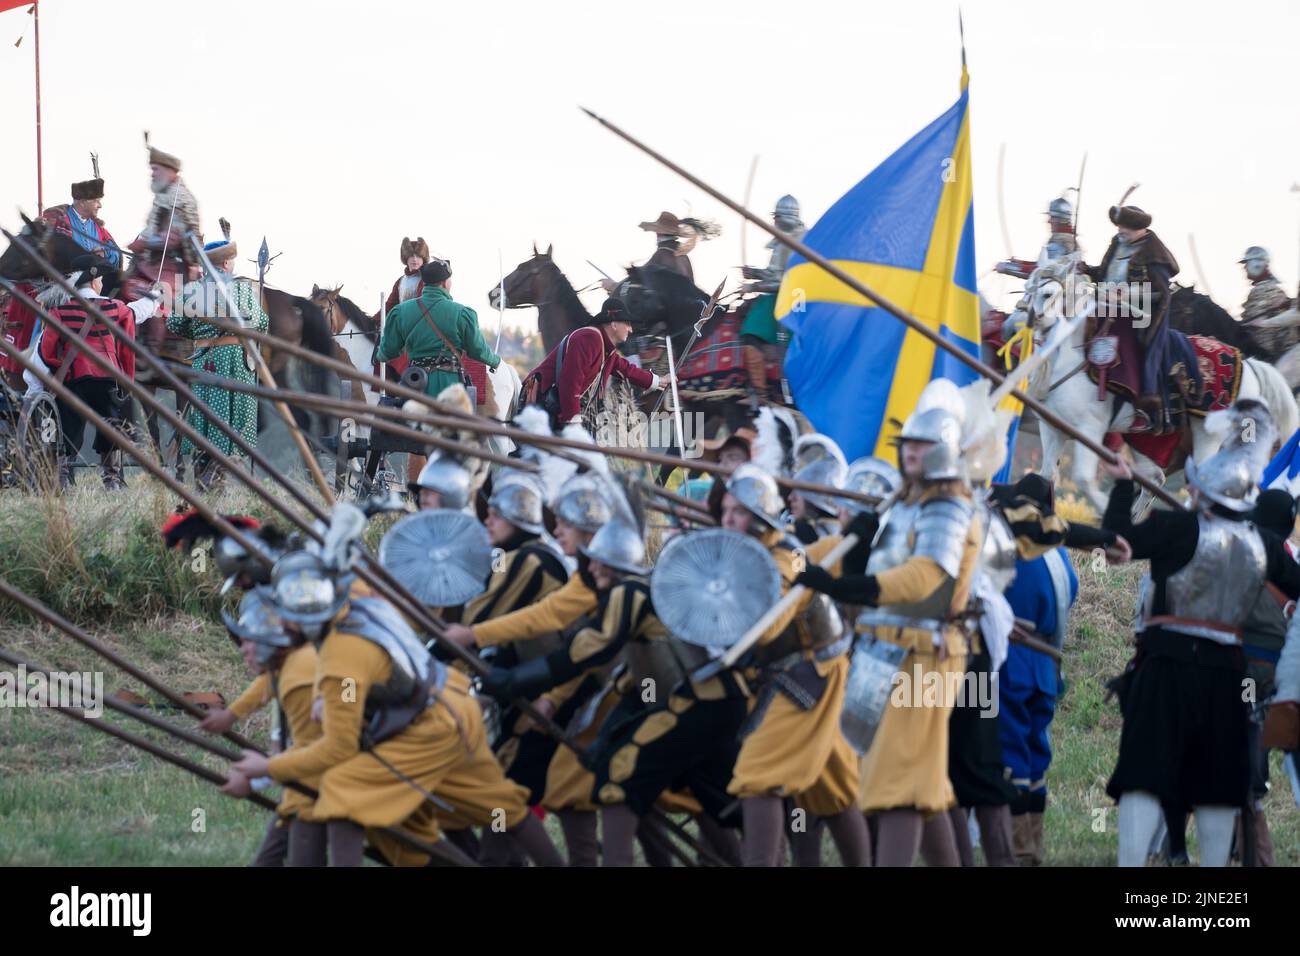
(664, 732)
(443, 483)
(95, 387)
(815, 514)
(794, 747)
(1185, 741)
(286, 675)
(397, 726)
(580, 510)
(916, 590)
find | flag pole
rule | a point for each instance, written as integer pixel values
(40, 185)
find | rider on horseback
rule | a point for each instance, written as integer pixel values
(1267, 298)
(80, 220)
(761, 337)
(1155, 366)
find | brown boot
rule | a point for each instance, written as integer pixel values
(1022, 840)
(1263, 842)
(1038, 853)
(755, 368)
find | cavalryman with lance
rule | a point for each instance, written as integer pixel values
(1133, 306)
(1184, 741)
(398, 727)
(916, 589)
(1266, 299)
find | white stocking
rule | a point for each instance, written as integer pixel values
(1214, 826)
(1140, 816)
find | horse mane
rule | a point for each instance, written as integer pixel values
(567, 298)
(316, 334)
(366, 323)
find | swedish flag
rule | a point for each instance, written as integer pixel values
(908, 232)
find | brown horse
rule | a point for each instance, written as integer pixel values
(537, 282)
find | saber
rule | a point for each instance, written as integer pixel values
(602, 271)
(749, 189)
(677, 405)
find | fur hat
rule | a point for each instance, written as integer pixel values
(1130, 217)
(221, 251)
(158, 158)
(90, 189)
(417, 248)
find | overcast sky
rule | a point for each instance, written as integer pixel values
(336, 128)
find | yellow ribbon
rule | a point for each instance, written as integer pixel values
(1025, 338)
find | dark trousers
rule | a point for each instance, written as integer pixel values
(106, 399)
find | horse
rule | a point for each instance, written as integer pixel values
(1072, 396)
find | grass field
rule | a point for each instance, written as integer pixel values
(71, 796)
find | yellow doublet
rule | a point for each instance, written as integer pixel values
(797, 752)
(907, 765)
(443, 750)
(296, 683)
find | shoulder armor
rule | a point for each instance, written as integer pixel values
(941, 528)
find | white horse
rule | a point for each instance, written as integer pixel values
(1063, 387)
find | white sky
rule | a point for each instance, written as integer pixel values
(336, 128)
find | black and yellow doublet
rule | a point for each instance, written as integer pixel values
(531, 571)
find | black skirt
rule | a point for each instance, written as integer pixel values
(1184, 738)
(975, 764)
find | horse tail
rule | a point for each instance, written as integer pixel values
(1276, 394)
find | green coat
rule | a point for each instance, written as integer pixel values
(407, 330)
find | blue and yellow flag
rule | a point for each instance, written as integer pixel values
(908, 232)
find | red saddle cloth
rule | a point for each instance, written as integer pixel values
(716, 360)
(1220, 368)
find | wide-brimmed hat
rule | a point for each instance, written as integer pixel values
(666, 225)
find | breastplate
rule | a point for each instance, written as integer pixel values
(664, 660)
(1117, 271)
(894, 545)
(1223, 580)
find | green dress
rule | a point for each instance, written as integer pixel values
(202, 299)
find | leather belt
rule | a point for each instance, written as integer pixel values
(1194, 627)
(212, 343)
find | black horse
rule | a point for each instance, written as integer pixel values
(1195, 313)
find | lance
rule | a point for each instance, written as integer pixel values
(501, 302)
(677, 405)
(1078, 196)
(681, 514)
(437, 852)
(264, 373)
(601, 271)
(373, 573)
(913, 323)
(749, 189)
(451, 418)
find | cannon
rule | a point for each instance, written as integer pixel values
(374, 477)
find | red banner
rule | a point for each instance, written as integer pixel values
(11, 4)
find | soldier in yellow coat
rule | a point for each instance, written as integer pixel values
(286, 675)
(916, 589)
(397, 726)
(580, 510)
(795, 747)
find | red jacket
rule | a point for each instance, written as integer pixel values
(54, 350)
(589, 358)
(19, 323)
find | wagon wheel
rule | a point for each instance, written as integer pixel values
(38, 436)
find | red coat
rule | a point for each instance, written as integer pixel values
(589, 357)
(19, 323)
(54, 350)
